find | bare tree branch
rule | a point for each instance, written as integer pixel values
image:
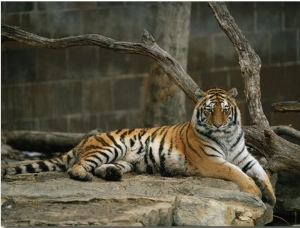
(147, 47)
(249, 61)
(286, 106)
(280, 153)
(286, 130)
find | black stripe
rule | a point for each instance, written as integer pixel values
(149, 169)
(209, 136)
(182, 128)
(116, 155)
(92, 161)
(142, 133)
(18, 170)
(162, 166)
(151, 156)
(198, 114)
(153, 135)
(161, 155)
(84, 141)
(190, 146)
(248, 166)
(214, 149)
(114, 141)
(105, 155)
(43, 166)
(62, 167)
(101, 140)
(234, 114)
(30, 168)
(91, 147)
(120, 166)
(122, 137)
(237, 139)
(118, 131)
(145, 146)
(171, 147)
(238, 154)
(97, 156)
(130, 131)
(131, 142)
(165, 172)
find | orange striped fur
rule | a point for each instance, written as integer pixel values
(211, 144)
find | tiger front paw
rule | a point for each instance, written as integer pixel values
(268, 194)
(252, 188)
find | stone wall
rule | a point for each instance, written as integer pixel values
(82, 88)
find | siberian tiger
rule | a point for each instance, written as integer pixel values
(211, 144)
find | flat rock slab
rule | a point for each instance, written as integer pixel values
(52, 198)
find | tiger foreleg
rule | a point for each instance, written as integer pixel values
(262, 180)
(227, 171)
(113, 171)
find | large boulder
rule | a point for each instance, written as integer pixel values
(52, 198)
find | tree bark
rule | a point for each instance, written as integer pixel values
(165, 101)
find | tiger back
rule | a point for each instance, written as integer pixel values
(211, 144)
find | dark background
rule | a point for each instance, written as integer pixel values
(82, 88)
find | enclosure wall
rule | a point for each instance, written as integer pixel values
(82, 88)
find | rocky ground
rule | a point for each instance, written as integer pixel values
(52, 198)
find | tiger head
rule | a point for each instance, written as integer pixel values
(216, 111)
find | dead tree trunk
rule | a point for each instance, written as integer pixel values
(281, 154)
(165, 101)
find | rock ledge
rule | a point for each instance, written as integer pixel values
(138, 200)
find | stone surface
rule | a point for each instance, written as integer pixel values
(52, 198)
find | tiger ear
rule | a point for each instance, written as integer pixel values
(232, 92)
(200, 93)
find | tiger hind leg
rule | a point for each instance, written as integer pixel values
(113, 171)
(80, 172)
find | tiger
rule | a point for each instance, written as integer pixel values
(211, 144)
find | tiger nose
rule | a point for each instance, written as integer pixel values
(217, 124)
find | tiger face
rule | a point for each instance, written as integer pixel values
(216, 111)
